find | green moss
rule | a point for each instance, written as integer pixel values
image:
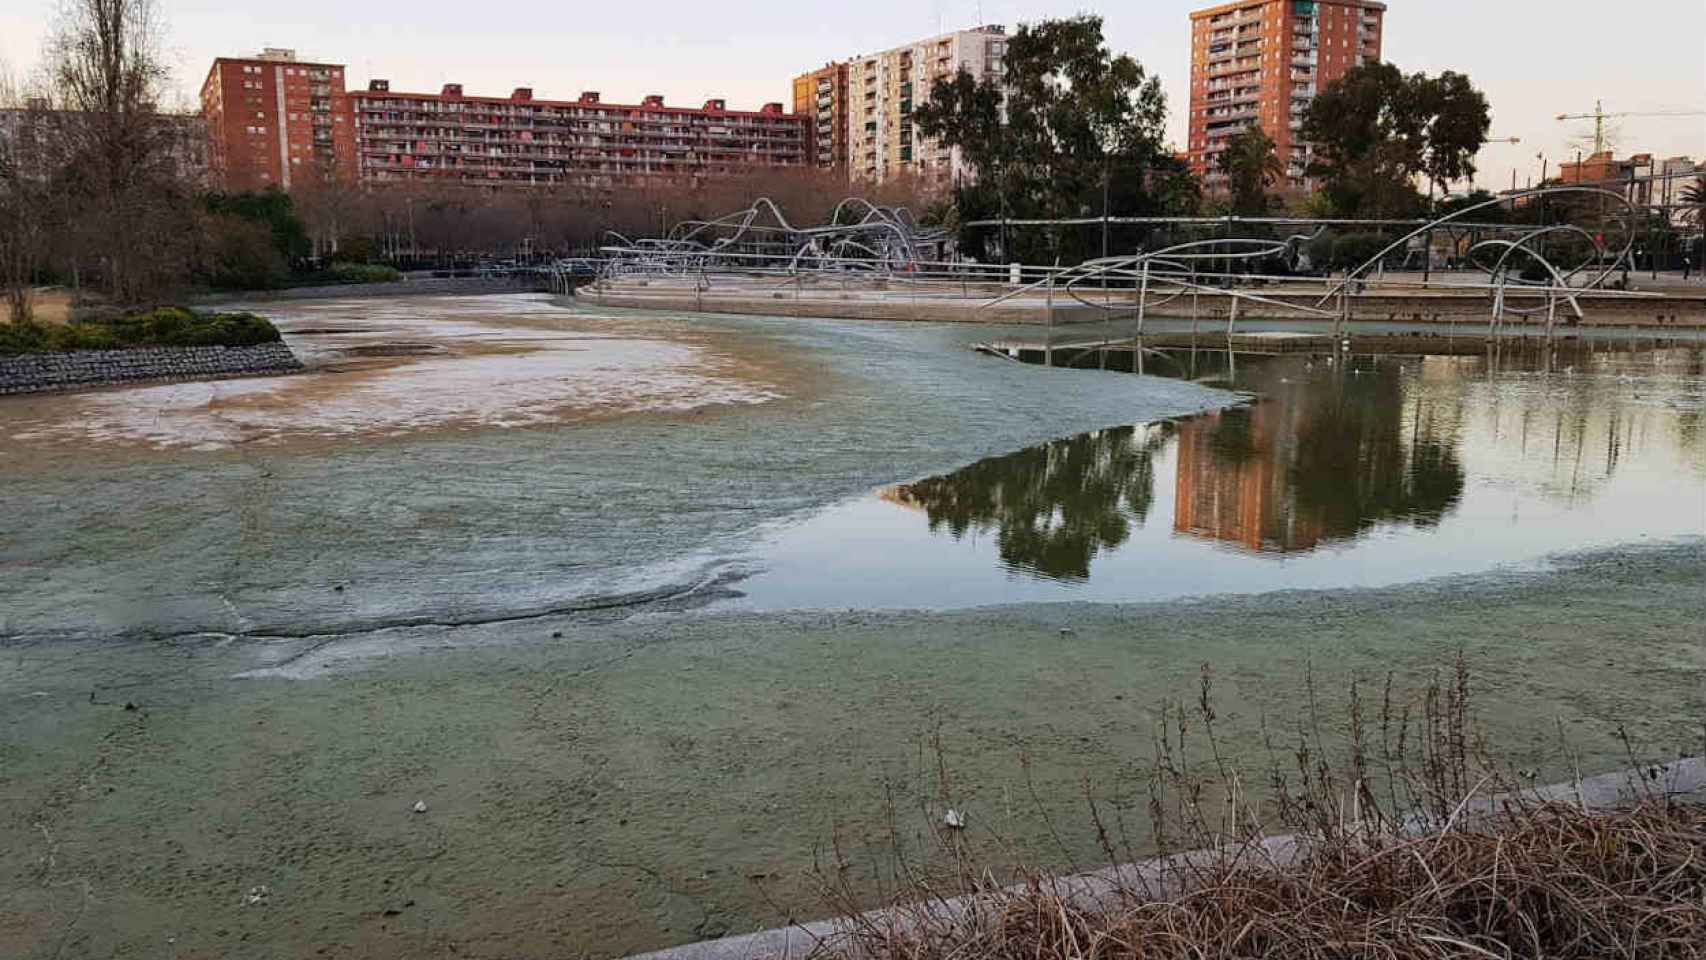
(161, 327)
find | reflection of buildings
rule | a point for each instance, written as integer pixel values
(1238, 499)
(1323, 457)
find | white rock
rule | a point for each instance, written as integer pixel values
(955, 820)
(420, 806)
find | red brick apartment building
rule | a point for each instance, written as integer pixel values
(520, 140)
(275, 120)
(1263, 61)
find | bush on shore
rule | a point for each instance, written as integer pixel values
(160, 327)
(1345, 251)
(349, 273)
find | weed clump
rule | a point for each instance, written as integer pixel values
(1406, 844)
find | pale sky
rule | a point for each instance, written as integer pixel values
(1534, 59)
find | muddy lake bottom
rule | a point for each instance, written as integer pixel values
(650, 610)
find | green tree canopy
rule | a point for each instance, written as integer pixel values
(1251, 167)
(271, 208)
(1695, 193)
(1377, 130)
(1069, 127)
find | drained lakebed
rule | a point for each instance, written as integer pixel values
(648, 611)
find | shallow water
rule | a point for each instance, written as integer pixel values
(1341, 471)
(537, 458)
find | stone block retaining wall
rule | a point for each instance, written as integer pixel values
(46, 372)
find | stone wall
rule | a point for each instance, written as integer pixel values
(46, 372)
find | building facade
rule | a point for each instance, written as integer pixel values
(1262, 62)
(821, 96)
(274, 120)
(883, 89)
(35, 139)
(1676, 173)
(277, 121)
(517, 140)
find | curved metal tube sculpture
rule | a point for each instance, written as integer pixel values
(873, 238)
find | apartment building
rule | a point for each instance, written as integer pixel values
(518, 140)
(1677, 173)
(1263, 61)
(34, 138)
(821, 96)
(883, 89)
(273, 120)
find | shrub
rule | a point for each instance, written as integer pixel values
(161, 327)
(242, 255)
(363, 273)
(1345, 251)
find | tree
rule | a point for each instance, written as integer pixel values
(1251, 166)
(1070, 130)
(273, 209)
(1376, 130)
(118, 185)
(22, 231)
(1694, 194)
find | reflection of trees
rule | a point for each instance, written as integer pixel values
(1354, 467)
(1323, 458)
(1052, 506)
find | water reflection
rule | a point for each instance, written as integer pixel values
(1331, 449)
(1051, 507)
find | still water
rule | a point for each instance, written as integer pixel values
(1339, 471)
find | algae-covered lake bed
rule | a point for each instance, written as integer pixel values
(652, 611)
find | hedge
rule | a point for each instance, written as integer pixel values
(162, 327)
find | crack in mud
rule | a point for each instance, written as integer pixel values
(674, 597)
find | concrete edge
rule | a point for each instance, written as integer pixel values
(1443, 311)
(1159, 877)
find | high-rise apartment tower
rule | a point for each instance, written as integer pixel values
(275, 121)
(1262, 62)
(884, 88)
(822, 96)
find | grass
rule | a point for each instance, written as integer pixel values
(1389, 850)
(161, 327)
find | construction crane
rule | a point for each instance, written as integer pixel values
(1599, 116)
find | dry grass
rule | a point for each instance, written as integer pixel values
(48, 305)
(1553, 882)
(1391, 852)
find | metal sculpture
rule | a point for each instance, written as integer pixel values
(860, 236)
(866, 242)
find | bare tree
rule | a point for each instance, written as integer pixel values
(23, 229)
(126, 203)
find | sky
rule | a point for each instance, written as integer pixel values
(1534, 59)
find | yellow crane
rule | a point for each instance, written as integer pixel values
(1599, 116)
